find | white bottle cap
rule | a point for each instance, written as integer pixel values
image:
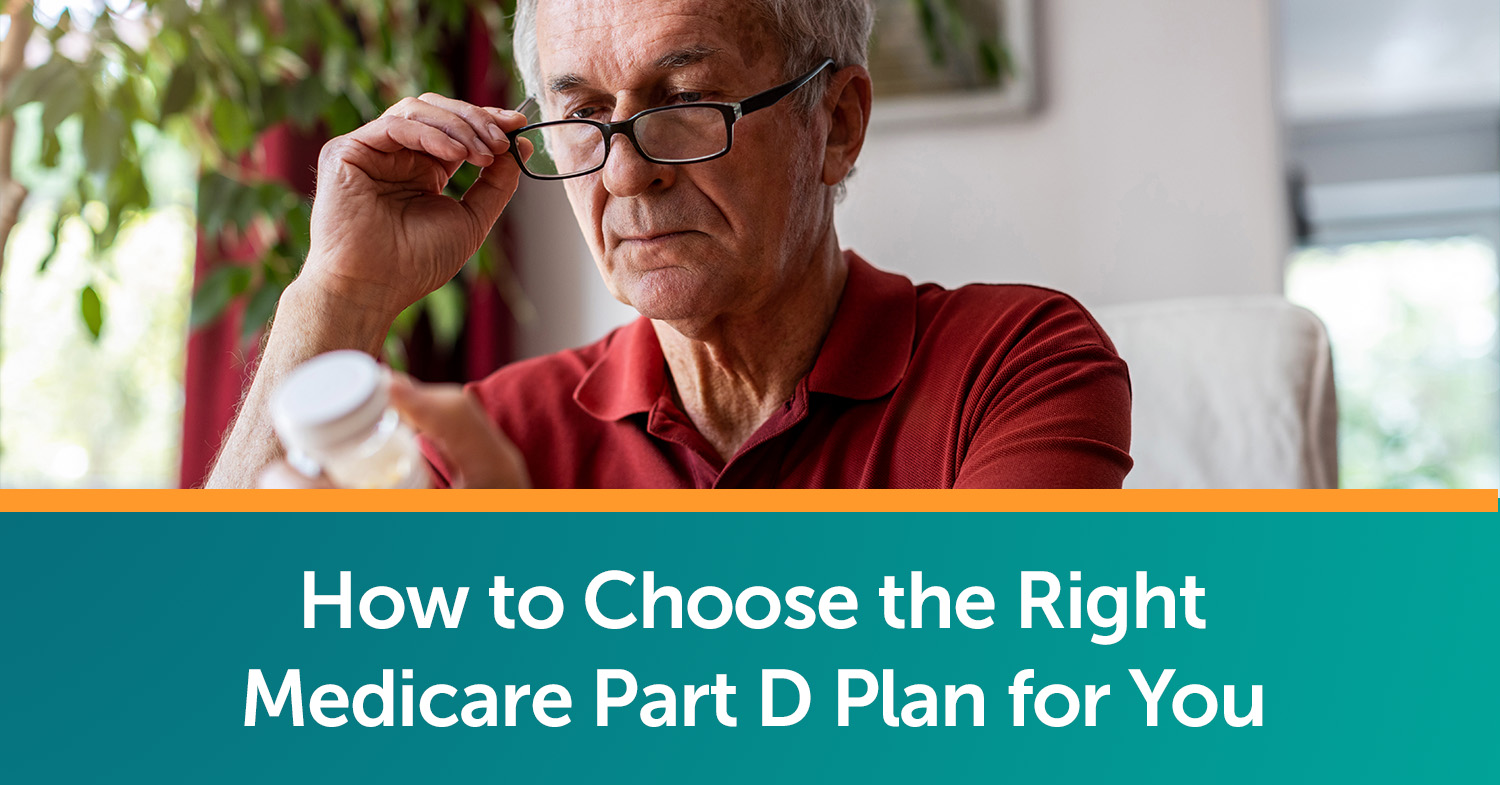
(329, 400)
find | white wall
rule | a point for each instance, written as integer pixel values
(1365, 59)
(1152, 170)
(558, 274)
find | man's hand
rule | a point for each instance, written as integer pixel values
(383, 236)
(473, 450)
(383, 233)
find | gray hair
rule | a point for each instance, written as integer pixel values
(809, 30)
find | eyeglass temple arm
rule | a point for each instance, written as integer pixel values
(753, 103)
(762, 100)
(526, 106)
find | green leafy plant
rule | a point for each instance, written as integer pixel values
(215, 76)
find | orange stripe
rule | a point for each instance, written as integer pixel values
(749, 501)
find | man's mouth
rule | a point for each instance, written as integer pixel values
(654, 237)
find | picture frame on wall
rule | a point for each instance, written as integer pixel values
(953, 60)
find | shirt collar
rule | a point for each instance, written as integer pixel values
(864, 356)
(869, 343)
(628, 378)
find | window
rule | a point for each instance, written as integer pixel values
(1413, 327)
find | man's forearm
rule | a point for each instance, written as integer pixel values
(309, 320)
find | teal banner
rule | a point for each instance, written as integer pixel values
(1051, 647)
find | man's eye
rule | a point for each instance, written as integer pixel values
(687, 98)
(587, 113)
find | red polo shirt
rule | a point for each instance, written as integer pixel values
(914, 387)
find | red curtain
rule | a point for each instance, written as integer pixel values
(218, 364)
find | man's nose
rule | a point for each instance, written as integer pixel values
(627, 173)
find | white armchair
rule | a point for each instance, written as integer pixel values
(1233, 392)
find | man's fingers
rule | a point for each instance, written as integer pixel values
(391, 134)
(507, 119)
(510, 120)
(489, 195)
(489, 124)
(447, 129)
(473, 134)
(455, 126)
(479, 456)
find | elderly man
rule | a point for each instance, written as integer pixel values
(702, 144)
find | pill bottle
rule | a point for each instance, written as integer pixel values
(333, 415)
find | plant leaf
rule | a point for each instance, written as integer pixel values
(298, 232)
(68, 95)
(182, 87)
(102, 132)
(106, 236)
(445, 313)
(395, 352)
(259, 309)
(215, 197)
(51, 148)
(92, 310)
(402, 325)
(32, 85)
(216, 292)
(232, 125)
(306, 100)
(126, 189)
(244, 204)
(57, 229)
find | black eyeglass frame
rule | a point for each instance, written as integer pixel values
(732, 113)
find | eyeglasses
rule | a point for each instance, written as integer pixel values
(677, 134)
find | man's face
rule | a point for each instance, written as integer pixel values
(698, 241)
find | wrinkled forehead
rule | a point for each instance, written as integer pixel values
(620, 43)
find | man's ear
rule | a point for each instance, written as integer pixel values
(848, 98)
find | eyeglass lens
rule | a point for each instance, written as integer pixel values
(677, 134)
